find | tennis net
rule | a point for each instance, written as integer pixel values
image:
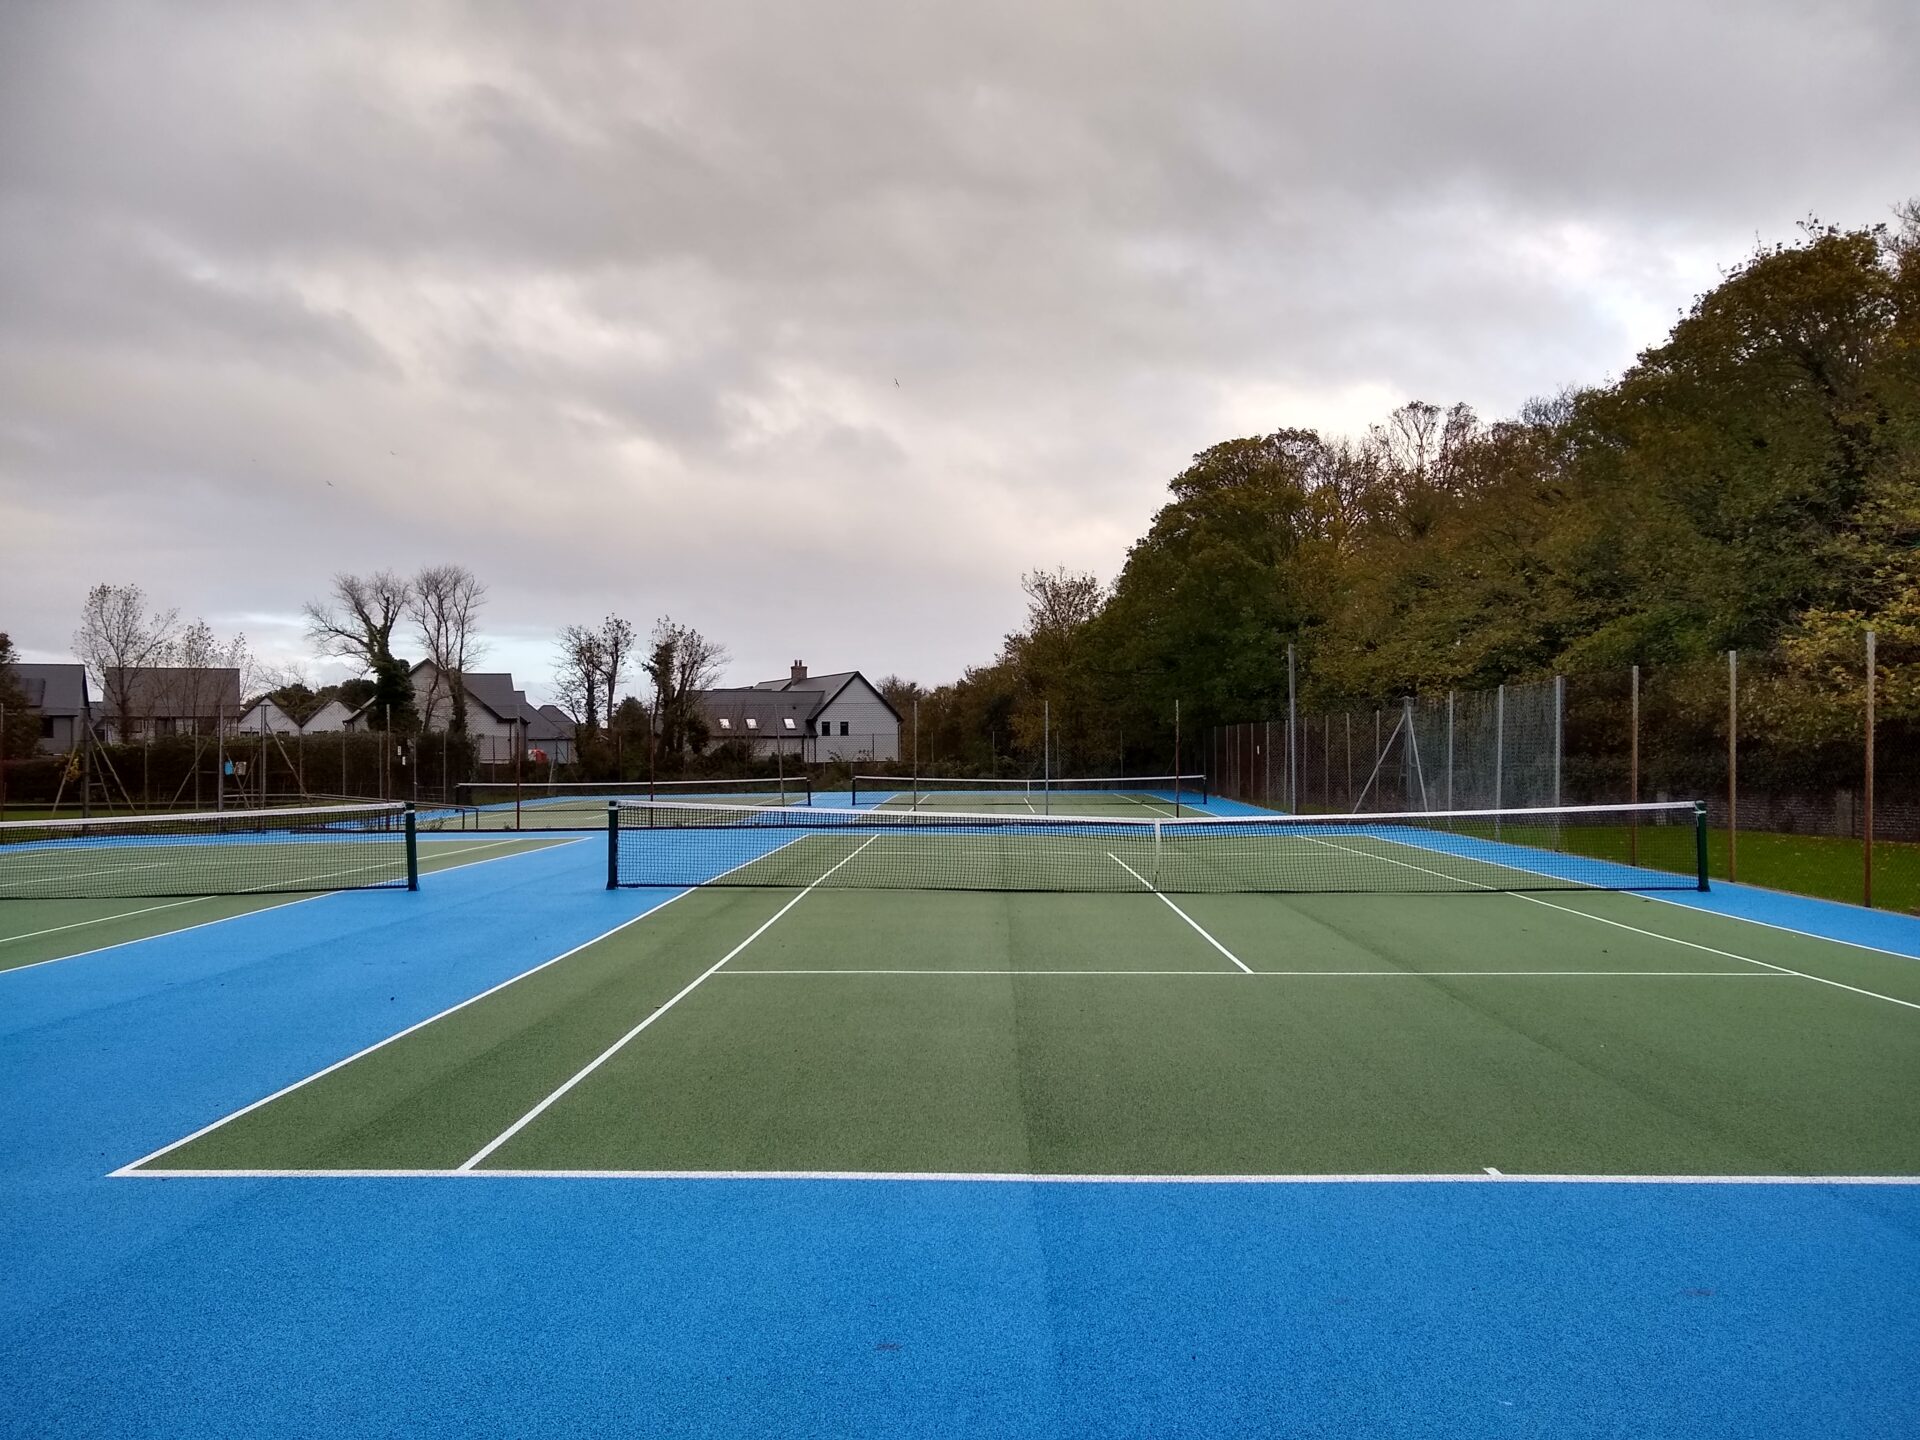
(1146, 794)
(1603, 847)
(222, 852)
(582, 804)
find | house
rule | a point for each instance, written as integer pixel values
(163, 700)
(266, 717)
(499, 715)
(58, 695)
(840, 716)
(328, 719)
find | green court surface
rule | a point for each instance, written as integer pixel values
(35, 931)
(909, 1032)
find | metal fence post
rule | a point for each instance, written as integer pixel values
(1866, 813)
(1733, 762)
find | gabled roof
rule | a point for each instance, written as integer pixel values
(768, 707)
(829, 686)
(54, 689)
(182, 692)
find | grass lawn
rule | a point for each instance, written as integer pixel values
(1823, 866)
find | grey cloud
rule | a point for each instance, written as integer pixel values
(609, 300)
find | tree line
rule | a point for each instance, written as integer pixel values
(1751, 482)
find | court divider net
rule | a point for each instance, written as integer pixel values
(298, 849)
(1598, 847)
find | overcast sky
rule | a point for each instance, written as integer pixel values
(814, 325)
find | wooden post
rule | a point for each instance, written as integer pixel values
(1866, 812)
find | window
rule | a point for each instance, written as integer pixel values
(790, 723)
(843, 727)
(725, 723)
(46, 727)
(752, 724)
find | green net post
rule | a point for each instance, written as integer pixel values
(613, 845)
(1700, 841)
(413, 850)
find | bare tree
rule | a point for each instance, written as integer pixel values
(356, 623)
(194, 659)
(681, 662)
(577, 676)
(118, 635)
(444, 605)
(617, 639)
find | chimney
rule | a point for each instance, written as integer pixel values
(798, 673)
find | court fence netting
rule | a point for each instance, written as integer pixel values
(1659, 846)
(293, 850)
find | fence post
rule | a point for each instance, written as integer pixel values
(1449, 803)
(1499, 752)
(1633, 769)
(1866, 813)
(1733, 762)
(1293, 764)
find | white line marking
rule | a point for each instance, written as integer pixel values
(1783, 929)
(1325, 974)
(1245, 969)
(397, 1035)
(1479, 1177)
(614, 1049)
(1633, 929)
(1493, 1172)
(103, 919)
(169, 934)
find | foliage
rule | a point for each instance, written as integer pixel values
(21, 736)
(1752, 482)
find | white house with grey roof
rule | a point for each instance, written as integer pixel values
(840, 716)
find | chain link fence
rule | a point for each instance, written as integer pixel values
(1810, 784)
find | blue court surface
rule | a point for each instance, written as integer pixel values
(523, 1303)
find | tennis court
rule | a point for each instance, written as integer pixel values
(892, 1119)
(892, 991)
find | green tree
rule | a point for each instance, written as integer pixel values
(22, 734)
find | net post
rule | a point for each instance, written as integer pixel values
(1700, 842)
(613, 845)
(413, 849)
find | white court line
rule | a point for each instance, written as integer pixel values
(614, 1049)
(1323, 974)
(1247, 969)
(278, 905)
(1631, 929)
(103, 919)
(1486, 1176)
(133, 1165)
